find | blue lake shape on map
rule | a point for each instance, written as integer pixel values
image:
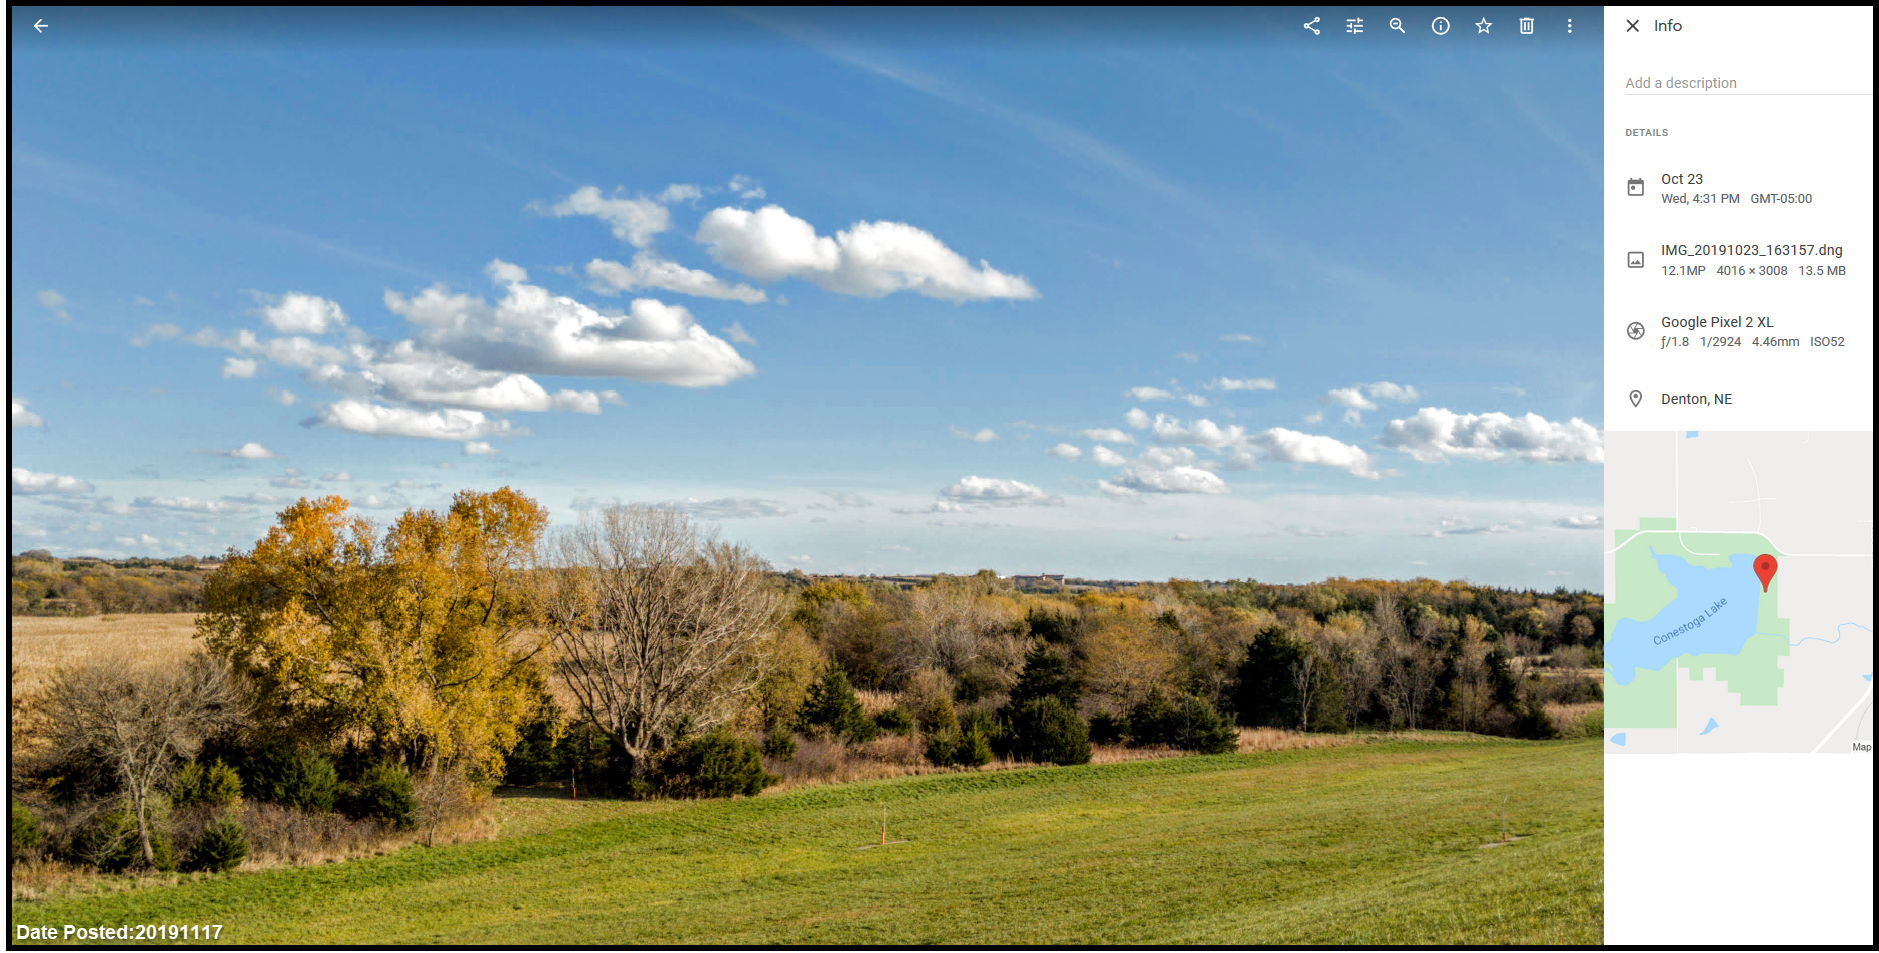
(1712, 726)
(1648, 645)
(1619, 739)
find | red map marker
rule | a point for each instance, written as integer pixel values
(1765, 569)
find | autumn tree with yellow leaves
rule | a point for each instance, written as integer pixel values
(418, 642)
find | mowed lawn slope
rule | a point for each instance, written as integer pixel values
(1376, 843)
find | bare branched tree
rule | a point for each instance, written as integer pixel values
(657, 624)
(142, 720)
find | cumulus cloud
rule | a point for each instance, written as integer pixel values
(745, 187)
(634, 220)
(190, 505)
(1064, 451)
(292, 479)
(1358, 398)
(411, 374)
(156, 332)
(1108, 435)
(296, 313)
(1202, 433)
(378, 420)
(241, 367)
(1291, 446)
(1587, 521)
(479, 448)
(247, 451)
(992, 491)
(651, 271)
(869, 259)
(26, 482)
(54, 302)
(1435, 434)
(1177, 479)
(1106, 457)
(532, 331)
(1137, 418)
(1148, 393)
(1463, 526)
(677, 192)
(737, 334)
(141, 539)
(337, 476)
(282, 396)
(21, 417)
(1242, 383)
(983, 435)
(731, 508)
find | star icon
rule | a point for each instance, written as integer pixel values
(1482, 27)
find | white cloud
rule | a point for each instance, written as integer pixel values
(1243, 383)
(247, 451)
(1290, 446)
(996, 492)
(736, 334)
(54, 302)
(984, 435)
(292, 479)
(531, 331)
(27, 482)
(1587, 521)
(1163, 458)
(1202, 433)
(253, 499)
(1108, 434)
(1239, 338)
(804, 560)
(732, 508)
(1137, 418)
(479, 448)
(1194, 400)
(1148, 393)
(1106, 457)
(634, 220)
(648, 270)
(21, 417)
(337, 476)
(1183, 538)
(1435, 434)
(870, 259)
(1316, 416)
(1358, 398)
(676, 192)
(1188, 356)
(241, 367)
(844, 498)
(185, 504)
(156, 332)
(446, 424)
(282, 396)
(745, 187)
(296, 313)
(410, 374)
(1463, 526)
(1064, 451)
(1179, 479)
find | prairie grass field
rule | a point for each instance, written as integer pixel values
(39, 644)
(1378, 841)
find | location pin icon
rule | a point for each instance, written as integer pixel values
(1637, 397)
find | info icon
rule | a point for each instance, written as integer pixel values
(1634, 187)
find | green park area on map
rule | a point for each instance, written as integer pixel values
(1649, 699)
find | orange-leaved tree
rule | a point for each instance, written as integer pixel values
(421, 640)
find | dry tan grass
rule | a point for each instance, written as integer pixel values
(1567, 717)
(40, 644)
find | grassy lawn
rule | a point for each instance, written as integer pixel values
(1376, 843)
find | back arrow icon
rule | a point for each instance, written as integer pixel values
(40, 25)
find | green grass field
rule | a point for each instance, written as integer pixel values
(1377, 843)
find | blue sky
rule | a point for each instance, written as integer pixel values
(866, 291)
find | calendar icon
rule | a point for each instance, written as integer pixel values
(1634, 186)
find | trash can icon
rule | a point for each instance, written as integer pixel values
(1526, 24)
(1634, 186)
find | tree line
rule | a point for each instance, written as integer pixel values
(388, 673)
